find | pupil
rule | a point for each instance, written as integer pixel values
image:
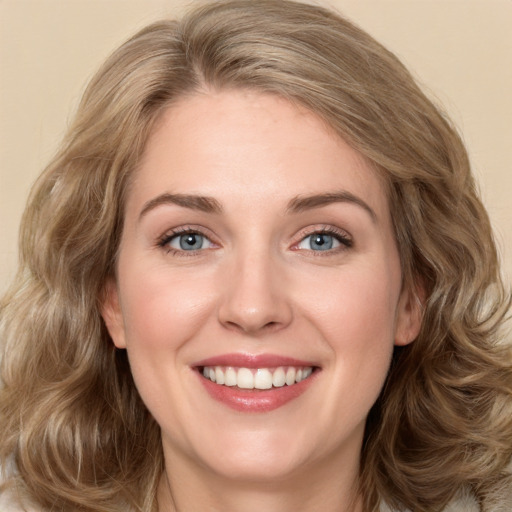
(190, 241)
(322, 242)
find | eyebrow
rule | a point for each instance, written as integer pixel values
(202, 203)
(296, 205)
(302, 203)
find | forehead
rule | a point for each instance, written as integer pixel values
(249, 143)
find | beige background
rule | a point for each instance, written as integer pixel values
(461, 50)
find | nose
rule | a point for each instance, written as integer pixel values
(255, 299)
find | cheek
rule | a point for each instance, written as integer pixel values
(358, 305)
(163, 309)
(356, 318)
(162, 312)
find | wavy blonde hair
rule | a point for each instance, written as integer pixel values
(73, 425)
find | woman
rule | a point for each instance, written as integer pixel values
(256, 275)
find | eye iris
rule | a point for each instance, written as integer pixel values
(321, 242)
(191, 241)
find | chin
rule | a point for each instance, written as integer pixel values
(257, 468)
(258, 456)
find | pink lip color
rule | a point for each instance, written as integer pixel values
(254, 400)
(251, 361)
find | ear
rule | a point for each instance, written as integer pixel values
(112, 314)
(409, 315)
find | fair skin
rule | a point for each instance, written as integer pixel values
(256, 238)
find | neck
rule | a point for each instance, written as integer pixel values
(184, 488)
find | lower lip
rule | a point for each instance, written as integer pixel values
(255, 400)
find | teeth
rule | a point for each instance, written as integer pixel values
(245, 379)
(290, 376)
(261, 378)
(231, 377)
(279, 378)
(219, 376)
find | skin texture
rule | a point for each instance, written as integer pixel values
(257, 286)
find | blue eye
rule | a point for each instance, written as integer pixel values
(188, 242)
(324, 241)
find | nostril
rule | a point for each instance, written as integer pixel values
(253, 328)
(254, 309)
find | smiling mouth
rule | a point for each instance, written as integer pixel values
(256, 378)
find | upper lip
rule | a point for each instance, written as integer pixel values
(253, 361)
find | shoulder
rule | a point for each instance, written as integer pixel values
(9, 494)
(9, 502)
(463, 503)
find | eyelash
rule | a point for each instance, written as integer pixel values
(341, 236)
(165, 240)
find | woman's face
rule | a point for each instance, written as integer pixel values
(257, 250)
